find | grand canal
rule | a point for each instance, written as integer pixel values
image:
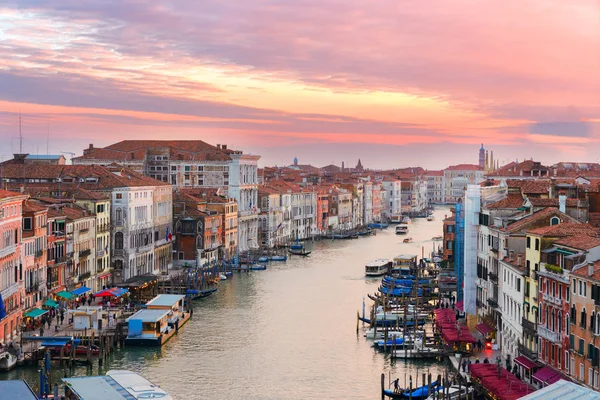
(285, 333)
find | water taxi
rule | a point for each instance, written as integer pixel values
(138, 386)
(430, 218)
(396, 219)
(378, 267)
(156, 324)
(116, 384)
(407, 240)
(402, 229)
(406, 220)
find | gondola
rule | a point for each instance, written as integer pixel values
(200, 294)
(420, 393)
(257, 267)
(300, 252)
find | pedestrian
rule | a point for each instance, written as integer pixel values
(477, 361)
(62, 317)
(396, 385)
(56, 390)
(479, 344)
(464, 364)
(41, 330)
(486, 361)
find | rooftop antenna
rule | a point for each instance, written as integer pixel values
(48, 140)
(20, 134)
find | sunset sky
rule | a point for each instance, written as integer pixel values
(396, 83)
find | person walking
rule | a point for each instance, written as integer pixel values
(464, 364)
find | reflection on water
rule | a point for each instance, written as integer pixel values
(285, 333)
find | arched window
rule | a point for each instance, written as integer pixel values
(119, 241)
(559, 322)
(200, 227)
(592, 321)
(200, 242)
(178, 226)
(554, 221)
(583, 317)
(597, 325)
(567, 325)
(573, 315)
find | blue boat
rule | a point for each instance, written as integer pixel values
(378, 225)
(257, 267)
(395, 341)
(391, 323)
(420, 393)
(199, 294)
(399, 291)
(278, 258)
(263, 259)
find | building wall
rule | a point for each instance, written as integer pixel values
(511, 306)
(34, 258)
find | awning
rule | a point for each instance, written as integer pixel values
(80, 291)
(65, 295)
(116, 292)
(460, 305)
(36, 312)
(549, 250)
(546, 376)
(50, 303)
(106, 275)
(484, 328)
(525, 362)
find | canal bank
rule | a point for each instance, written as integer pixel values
(285, 333)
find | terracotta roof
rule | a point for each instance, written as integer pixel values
(208, 195)
(583, 272)
(539, 217)
(594, 218)
(537, 202)
(514, 169)
(74, 212)
(510, 201)
(564, 229)
(433, 173)
(538, 186)
(7, 194)
(580, 242)
(464, 167)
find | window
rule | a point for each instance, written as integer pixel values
(581, 372)
(581, 347)
(27, 224)
(119, 196)
(554, 221)
(567, 362)
(119, 241)
(537, 244)
(119, 214)
(583, 318)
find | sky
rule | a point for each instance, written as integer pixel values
(394, 83)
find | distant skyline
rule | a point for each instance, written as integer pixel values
(393, 83)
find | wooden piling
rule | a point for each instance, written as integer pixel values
(382, 386)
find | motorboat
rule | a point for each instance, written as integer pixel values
(263, 259)
(300, 252)
(223, 277)
(407, 240)
(437, 238)
(378, 267)
(200, 294)
(406, 220)
(402, 229)
(278, 258)
(431, 218)
(257, 267)
(374, 334)
(420, 350)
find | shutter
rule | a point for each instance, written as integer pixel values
(590, 352)
(594, 292)
(572, 342)
(581, 346)
(595, 357)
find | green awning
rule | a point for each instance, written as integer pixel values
(36, 312)
(65, 295)
(50, 303)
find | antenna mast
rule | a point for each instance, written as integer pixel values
(20, 135)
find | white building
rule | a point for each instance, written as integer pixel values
(512, 286)
(367, 203)
(457, 178)
(391, 198)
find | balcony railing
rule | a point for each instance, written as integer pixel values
(84, 230)
(528, 325)
(102, 228)
(553, 272)
(479, 304)
(8, 250)
(551, 299)
(85, 253)
(492, 303)
(39, 253)
(84, 276)
(9, 291)
(493, 277)
(524, 351)
(548, 334)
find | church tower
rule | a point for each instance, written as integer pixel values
(482, 156)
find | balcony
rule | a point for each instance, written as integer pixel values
(8, 250)
(39, 253)
(9, 291)
(548, 298)
(84, 230)
(553, 272)
(524, 351)
(548, 334)
(492, 303)
(479, 304)
(493, 277)
(102, 228)
(85, 253)
(528, 325)
(84, 276)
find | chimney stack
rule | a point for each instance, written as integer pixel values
(218, 146)
(590, 268)
(91, 146)
(224, 147)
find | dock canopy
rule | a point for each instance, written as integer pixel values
(65, 295)
(80, 291)
(97, 387)
(484, 328)
(34, 313)
(563, 390)
(50, 303)
(17, 389)
(525, 362)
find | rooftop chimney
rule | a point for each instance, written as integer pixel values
(224, 147)
(590, 268)
(218, 146)
(91, 146)
(562, 203)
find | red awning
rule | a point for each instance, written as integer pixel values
(460, 305)
(484, 328)
(106, 275)
(546, 375)
(525, 362)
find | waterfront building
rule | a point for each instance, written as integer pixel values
(57, 250)
(198, 231)
(391, 198)
(33, 253)
(322, 211)
(341, 206)
(81, 237)
(584, 349)
(458, 177)
(270, 217)
(302, 208)
(560, 310)
(449, 229)
(376, 201)
(512, 270)
(368, 203)
(11, 230)
(435, 186)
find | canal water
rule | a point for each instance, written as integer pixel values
(285, 333)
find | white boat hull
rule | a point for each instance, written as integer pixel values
(418, 353)
(7, 361)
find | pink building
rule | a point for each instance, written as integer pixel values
(34, 260)
(11, 204)
(376, 202)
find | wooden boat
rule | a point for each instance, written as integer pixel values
(257, 267)
(297, 245)
(301, 252)
(8, 360)
(436, 238)
(420, 393)
(454, 392)
(200, 294)
(278, 258)
(431, 218)
(407, 240)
